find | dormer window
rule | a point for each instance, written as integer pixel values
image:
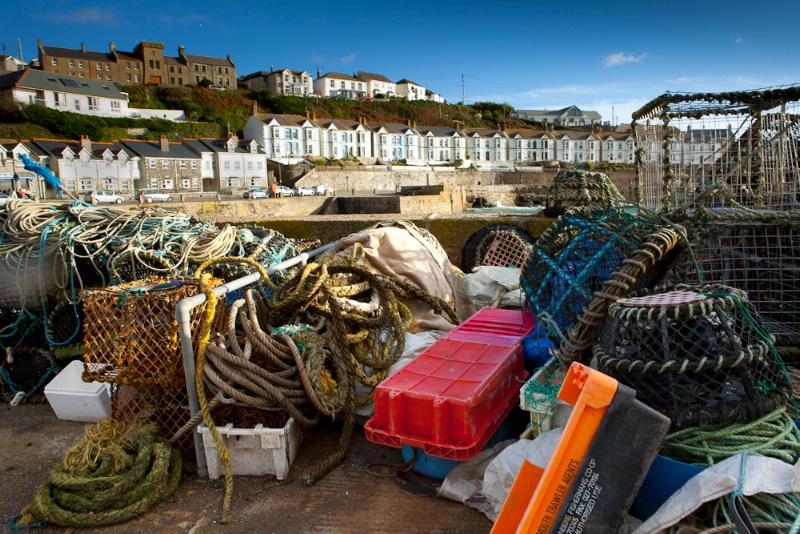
(231, 145)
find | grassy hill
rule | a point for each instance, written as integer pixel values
(214, 113)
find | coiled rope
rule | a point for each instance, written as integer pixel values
(116, 472)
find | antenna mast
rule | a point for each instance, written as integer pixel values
(463, 91)
(19, 42)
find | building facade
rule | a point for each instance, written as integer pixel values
(337, 85)
(145, 65)
(63, 93)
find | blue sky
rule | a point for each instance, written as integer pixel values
(602, 56)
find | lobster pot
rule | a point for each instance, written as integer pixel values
(757, 252)
(131, 335)
(167, 407)
(499, 245)
(747, 141)
(572, 260)
(579, 188)
(699, 357)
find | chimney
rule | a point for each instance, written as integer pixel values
(180, 51)
(319, 73)
(112, 47)
(409, 122)
(164, 143)
(313, 115)
(235, 137)
(86, 143)
(272, 68)
(255, 108)
(83, 47)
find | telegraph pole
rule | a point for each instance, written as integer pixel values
(463, 91)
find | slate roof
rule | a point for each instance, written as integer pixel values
(408, 82)
(152, 149)
(439, 131)
(340, 124)
(340, 76)
(219, 145)
(54, 147)
(284, 120)
(372, 76)
(209, 60)
(77, 53)
(49, 81)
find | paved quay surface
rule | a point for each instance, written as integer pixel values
(348, 500)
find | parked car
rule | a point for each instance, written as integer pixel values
(153, 195)
(256, 193)
(323, 190)
(283, 191)
(102, 197)
(303, 191)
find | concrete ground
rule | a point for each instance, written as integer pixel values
(349, 500)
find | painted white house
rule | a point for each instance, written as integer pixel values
(344, 139)
(441, 145)
(283, 136)
(410, 90)
(617, 147)
(64, 93)
(568, 116)
(529, 146)
(377, 84)
(396, 142)
(281, 82)
(11, 167)
(240, 164)
(487, 144)
(337, 85)
(87, 166)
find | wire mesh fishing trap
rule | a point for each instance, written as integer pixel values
(747, 140)
(131, 336)
(755, 251)
(574, 262)
(579, 188)
(697, 356)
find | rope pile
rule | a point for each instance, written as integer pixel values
(116, 472)
(332, 324)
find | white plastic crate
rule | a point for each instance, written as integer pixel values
(72, 399)
(253, 451)
(547, 418)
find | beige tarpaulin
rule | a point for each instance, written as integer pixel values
(403, 251)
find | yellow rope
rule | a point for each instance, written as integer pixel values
(205, 334)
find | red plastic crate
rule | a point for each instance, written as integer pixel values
(453, 397)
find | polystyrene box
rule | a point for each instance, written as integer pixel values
(72, 399)
(453, 397)
(253, 451)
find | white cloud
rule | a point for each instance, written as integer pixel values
(349, 58)
(620, 58)
(737, 40)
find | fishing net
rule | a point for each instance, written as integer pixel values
(131, 335)
(589, 253)
(697, 356)
(24, 373)
(64, 322)
(579, 188)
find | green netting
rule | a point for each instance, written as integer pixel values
(697, 356)
(574, 257)
(579, 188)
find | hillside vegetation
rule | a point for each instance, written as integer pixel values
(212, 114)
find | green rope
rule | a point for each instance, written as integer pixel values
(774, 435)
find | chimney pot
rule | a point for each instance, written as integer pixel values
(83, 47)
(164, 143)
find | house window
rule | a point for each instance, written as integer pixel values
(227, 166)
(93, 104)
(128, 65)
(128, 76)
(194, 165)
(172, 68)
(333, 83)
(165, 164)
(167, 184)
(261, 164)
(151, 63)
(249, 165)
(237, 165)
(152, 163)
(172, 81)
(99, 66)
(183, 164)
(136, 78)
(115, 106)
(71, 63)
(86, 185)
(108, 77)
(185, 183)
(108, 67)
(54, 62)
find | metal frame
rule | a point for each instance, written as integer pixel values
(182, 316)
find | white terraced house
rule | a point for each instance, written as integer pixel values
(240, 164)
(344, 139)
(488, 145)
(529, 146)
(396, 142)
(410, 90)
(337, 85)
(285, 136)
(443, 145)
(377, 84)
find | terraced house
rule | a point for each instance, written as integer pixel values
(295, 136)
(145, 65)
